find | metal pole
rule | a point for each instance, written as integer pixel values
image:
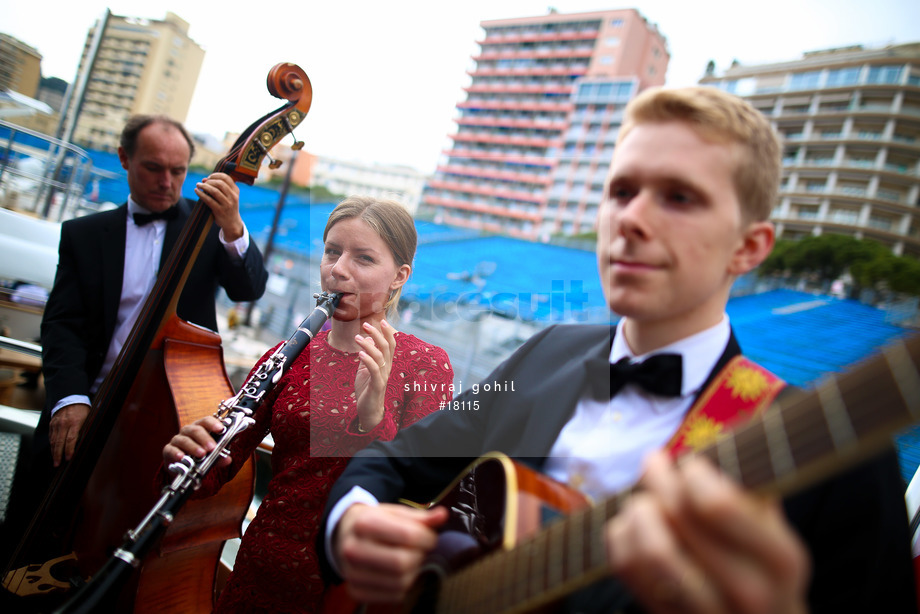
(68, 122)
(83, 79)
(269, 246)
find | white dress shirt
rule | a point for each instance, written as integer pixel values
(143, 249)
(600, 449)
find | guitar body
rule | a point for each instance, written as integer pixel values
(493, 506)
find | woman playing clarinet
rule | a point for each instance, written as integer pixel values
(359, 381)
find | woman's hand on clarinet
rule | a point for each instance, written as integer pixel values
(373, 372)
(195, 440)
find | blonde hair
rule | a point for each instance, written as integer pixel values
(721, 118)
(392, 223)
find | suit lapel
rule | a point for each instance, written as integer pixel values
(174, 229)
(112, 244)
(562, 390)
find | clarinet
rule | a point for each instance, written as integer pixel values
(235, 415)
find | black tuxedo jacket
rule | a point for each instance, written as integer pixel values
(79, 318)
(855, 524)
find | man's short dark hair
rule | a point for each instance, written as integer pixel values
(136, 123)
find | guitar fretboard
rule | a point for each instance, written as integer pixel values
(798, 441)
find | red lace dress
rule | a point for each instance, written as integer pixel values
(312, 418)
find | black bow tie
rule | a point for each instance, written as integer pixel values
(145, 218)
(660, 374)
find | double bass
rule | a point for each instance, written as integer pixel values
(169, 373)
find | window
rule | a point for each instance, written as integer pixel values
(845, 216)
(881, 223)
(804, 80)
(843, 76)
(616, 23)
(815, 186)
(807, 213)
(603, 91)
(612, 41)
(587, 90)
(884, 74)
(746, 86)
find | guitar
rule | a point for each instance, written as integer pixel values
(495, 555)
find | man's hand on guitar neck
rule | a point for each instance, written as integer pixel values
(692, 541)
(379, 549)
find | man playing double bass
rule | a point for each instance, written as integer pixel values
(107, 267)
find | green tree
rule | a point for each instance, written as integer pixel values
(829, 256)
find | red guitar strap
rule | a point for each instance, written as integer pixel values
(742, 390)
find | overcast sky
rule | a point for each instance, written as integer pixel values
(386, 76)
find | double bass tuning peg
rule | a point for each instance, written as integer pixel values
(298, 145)
(273, 163)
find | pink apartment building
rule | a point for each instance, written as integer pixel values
(535, 134)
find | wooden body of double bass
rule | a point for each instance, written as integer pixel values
(183, 370)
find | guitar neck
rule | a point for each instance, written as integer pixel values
(813, 434)
(798, 441)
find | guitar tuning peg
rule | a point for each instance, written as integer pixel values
(297, 146)
(275, 164)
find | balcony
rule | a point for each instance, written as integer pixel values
(521, 124)
(489, 190)
(573, 70)
(818, 162)
(501, 156)
(889, 195)
(534, 36)
(509, 105)
(851, 190)
(876, 108)
(494, 173)
(901, 169)
(846, 218)
(522, 54)
(883, 224)
(506, 139)
(497, 211)
(511, 88)
(806, 214)
(858, 163)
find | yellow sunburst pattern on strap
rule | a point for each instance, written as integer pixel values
(742, 390)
